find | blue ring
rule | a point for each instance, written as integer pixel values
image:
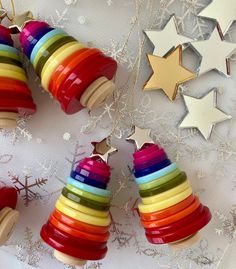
(8, 48)
(152, 169)
(148, 178)
(28, 49)
(42, 41)
(6, 42)
(88, 188)
(75, 175)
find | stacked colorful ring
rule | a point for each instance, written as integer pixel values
(78, 227)
(169, 211)
(8, 214)
(75, 75)
(15, 96)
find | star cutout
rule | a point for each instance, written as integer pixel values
(3, 14)
(168, 73)
(166, 39)
(203, 113)
(215, 53)
(223, 11)
(140, 137)
(103, 149)
(19, 21)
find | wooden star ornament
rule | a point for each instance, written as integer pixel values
(203, 113)
(168, 73)
(103, 149)
(140, 137)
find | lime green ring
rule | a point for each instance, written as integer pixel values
(10, 54)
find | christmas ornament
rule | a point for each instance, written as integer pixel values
(169, 211)
(208, 49)
(224, 12)
(167, 39)
(8, 215)
(75, 75)
(168, 73)
(203, 113)
(15, 96)
(78, 227)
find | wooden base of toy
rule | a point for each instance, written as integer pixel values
(8, 220)
(97, 93)
(67, 259)
(185, 243)
(8, 120)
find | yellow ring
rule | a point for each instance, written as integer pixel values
(159, 181)
(166, 194)
(57, 57)
(86, 210)
(89, 195)
(44, 48)
(13, 74)
(10, 55)
(80, 216)
(166, 203)
(12, 67)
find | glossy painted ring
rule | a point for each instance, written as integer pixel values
(62, 246)
(82, 216)
(91, 175)
(159, 181)
(43, 41)
(4, 31)
(7, 60)
(166, 203)
(166, 194)
(166, 222)
(168, 169)
(90, 168)
(83, 201)
(87, 180)
(146, 149)
(9, 54)
(13, 75)
(152, 169)
(184, 232)
(16, 105)
(8, 197)
(61, 44)
(161, 214)
(82, 226)
(151, 162)
(6, 41)
(88, 188)
(165, 187)
(6, 94)
(148, 157)
(97, 162)
(84, 209)
(13, 68)
(88, 195)
(13, 84)
(77, 233)
(53, 62)
(9, 49)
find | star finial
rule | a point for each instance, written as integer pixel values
(140, 136)
(203, 113)
(19, 21)
(103, 149)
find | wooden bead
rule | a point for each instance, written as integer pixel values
(185, 243)
(67, 259)
(8, 120)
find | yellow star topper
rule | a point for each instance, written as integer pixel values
(203, 113)
(140, 137)
(168, 73)
(103, 149)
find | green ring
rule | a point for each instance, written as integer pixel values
(7, 60)
(164, 187)
(50, 50)
(10, 55)
(83, 201)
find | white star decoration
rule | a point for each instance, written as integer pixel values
(203, 113)
(215, 53)
(224, 11)
(166, 39)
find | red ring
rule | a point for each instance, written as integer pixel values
(8, 197)
(17, 105)
(13, 84)
(146, 158)
(146, 149)
(94, 170)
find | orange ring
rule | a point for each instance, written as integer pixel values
(79, 225)
(172, 218)
(14, 84)
(161, 214)
(77, 233)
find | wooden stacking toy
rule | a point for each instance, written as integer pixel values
(75, 75)
(78, 227)
(170, 213)
(8, 215)
(15, 96)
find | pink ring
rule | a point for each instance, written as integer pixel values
(94, 162)
(94, 170)
(148, 157)
(145, 150)
(151, 162)
(5, 32)
(30, 29)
